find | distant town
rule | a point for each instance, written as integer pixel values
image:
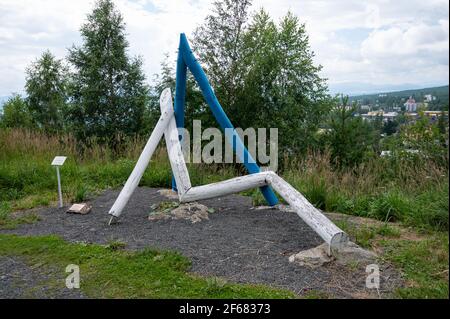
(403, 106)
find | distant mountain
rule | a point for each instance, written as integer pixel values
(440, 94)
(359, 88)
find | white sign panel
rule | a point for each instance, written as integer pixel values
(59, 160)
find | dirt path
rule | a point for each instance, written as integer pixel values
(237, 242)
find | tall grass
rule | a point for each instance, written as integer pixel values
(392, 189)
(389, 189)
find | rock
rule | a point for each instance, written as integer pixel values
(81, 208)
(351, 253)
(318, 256)
(194, 212)
(314, 257)
(168, 193)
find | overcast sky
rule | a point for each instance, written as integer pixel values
(364, 46)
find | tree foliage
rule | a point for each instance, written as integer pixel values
(349, 138)
(282, 87)
(218, 44)
(108, 92)
(15, 113)
(428, 138)
(262, 73)
(46, 87)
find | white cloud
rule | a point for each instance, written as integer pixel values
(373, 43)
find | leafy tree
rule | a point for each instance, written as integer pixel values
(46, 87)
(428, 138)
(390, 127)
(109, 95)
(263, 73)
(218, 44)
(282, 87)
(195, 106)
(15, 113)
(349, 137)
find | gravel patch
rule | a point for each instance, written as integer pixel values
(236, 242)
(19, 280)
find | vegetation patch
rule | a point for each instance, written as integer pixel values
(110, 272)
(9, 220)
(423, 258)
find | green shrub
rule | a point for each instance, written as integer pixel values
(81, 193)
(5, 210)
(316, 192)
(433, 209)
(391, 206)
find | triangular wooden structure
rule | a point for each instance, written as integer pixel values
(173, 118)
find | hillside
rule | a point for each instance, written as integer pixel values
(397, 98)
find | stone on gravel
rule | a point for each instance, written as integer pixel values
(314, 257)
(352, 253)
(346, 255)
(193, 212)
(81, 208)
(169, 193)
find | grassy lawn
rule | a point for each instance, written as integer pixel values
(422, 257)
(110, 272)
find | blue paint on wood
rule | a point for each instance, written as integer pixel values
(187, 60)
(180, 96)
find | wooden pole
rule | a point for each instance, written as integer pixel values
(166, 125)
(314, 218)
(144, 159)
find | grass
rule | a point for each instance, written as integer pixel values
(10, 221)
(414, 194)
(423, 259)
(111, 272)
(424, 263)
(388, 189)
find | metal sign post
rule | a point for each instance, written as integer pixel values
(57, 162)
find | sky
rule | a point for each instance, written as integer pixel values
(363, 46)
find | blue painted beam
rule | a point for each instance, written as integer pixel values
(180, 96)
(191, 62)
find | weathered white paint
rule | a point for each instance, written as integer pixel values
(230, 186)
(176, 158)
(142, 162)
(326, 229)
(329, 232)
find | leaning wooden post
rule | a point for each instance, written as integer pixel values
(180, 98)
(144, 158)
(330, 233)
(219, 114)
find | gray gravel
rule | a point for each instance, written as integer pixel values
(20, 280)
(238, 242)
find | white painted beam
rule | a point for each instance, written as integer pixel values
(314, 218)
(177, 163)
(230, 186)
(142, 163)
